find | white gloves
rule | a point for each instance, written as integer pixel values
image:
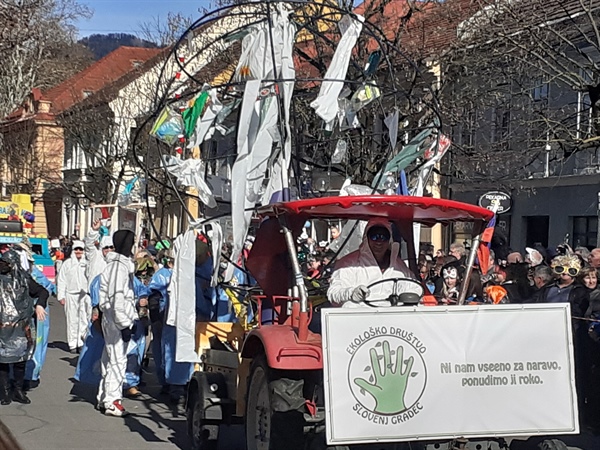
(359, 294)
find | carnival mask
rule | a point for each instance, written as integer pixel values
(450, 272)
(568, 264)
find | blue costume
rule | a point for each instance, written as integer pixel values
(137, 345)
(206, 299)
(35, 364)
(176, 374)
(88, 366)
(159, 285)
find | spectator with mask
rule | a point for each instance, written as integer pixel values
(566, 289)
(18, 294)
(449, 290)
(534, 258)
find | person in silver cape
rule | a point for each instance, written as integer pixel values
(20, 298)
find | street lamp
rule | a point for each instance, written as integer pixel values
(80, 202)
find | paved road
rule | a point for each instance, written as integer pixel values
(62, 414)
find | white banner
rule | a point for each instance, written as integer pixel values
(407, 374)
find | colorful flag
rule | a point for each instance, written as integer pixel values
(483, 252)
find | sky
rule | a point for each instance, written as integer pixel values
(125, 16)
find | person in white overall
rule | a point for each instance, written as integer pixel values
(117, 305)
(96, 254)
(376, 259)
(72, 293)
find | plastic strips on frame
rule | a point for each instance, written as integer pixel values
(326, 105)
(182, 297)
(190, 173)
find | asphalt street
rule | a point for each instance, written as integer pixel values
(62, 415)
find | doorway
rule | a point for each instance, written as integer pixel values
(537, 230)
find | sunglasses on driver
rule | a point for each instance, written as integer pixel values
(379, 236)
(571, 271)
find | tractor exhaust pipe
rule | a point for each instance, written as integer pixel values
(298, 279)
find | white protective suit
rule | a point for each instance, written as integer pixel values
(72, 286)
(117, 303)
(360, 268)
(96, 260)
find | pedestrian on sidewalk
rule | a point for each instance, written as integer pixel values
(117, 304)
(72, 285)
(19, 294)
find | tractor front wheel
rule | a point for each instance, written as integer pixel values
(267, 428)
(203, 435)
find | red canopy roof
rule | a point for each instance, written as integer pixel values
(425, 210)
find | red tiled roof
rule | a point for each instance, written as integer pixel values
(429, 30)
(95, 77)
(435, 31)
(102, 73)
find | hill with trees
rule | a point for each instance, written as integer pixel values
(102, 44)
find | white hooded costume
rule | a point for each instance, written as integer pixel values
(96, 260)
(72, 287)
(360, 268)
(117, 304)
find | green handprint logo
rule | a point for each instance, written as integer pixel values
(388, 383)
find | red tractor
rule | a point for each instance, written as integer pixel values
(271, 377)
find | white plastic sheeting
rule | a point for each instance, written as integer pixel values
(443, 144)
(190, 173)
(326, 103)
(214, 231)
(259, 119)
(279, 169)
(240, 218)
(182, 297)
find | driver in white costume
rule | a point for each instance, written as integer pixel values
(376, 259)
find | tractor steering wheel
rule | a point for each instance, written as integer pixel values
(394, 297)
